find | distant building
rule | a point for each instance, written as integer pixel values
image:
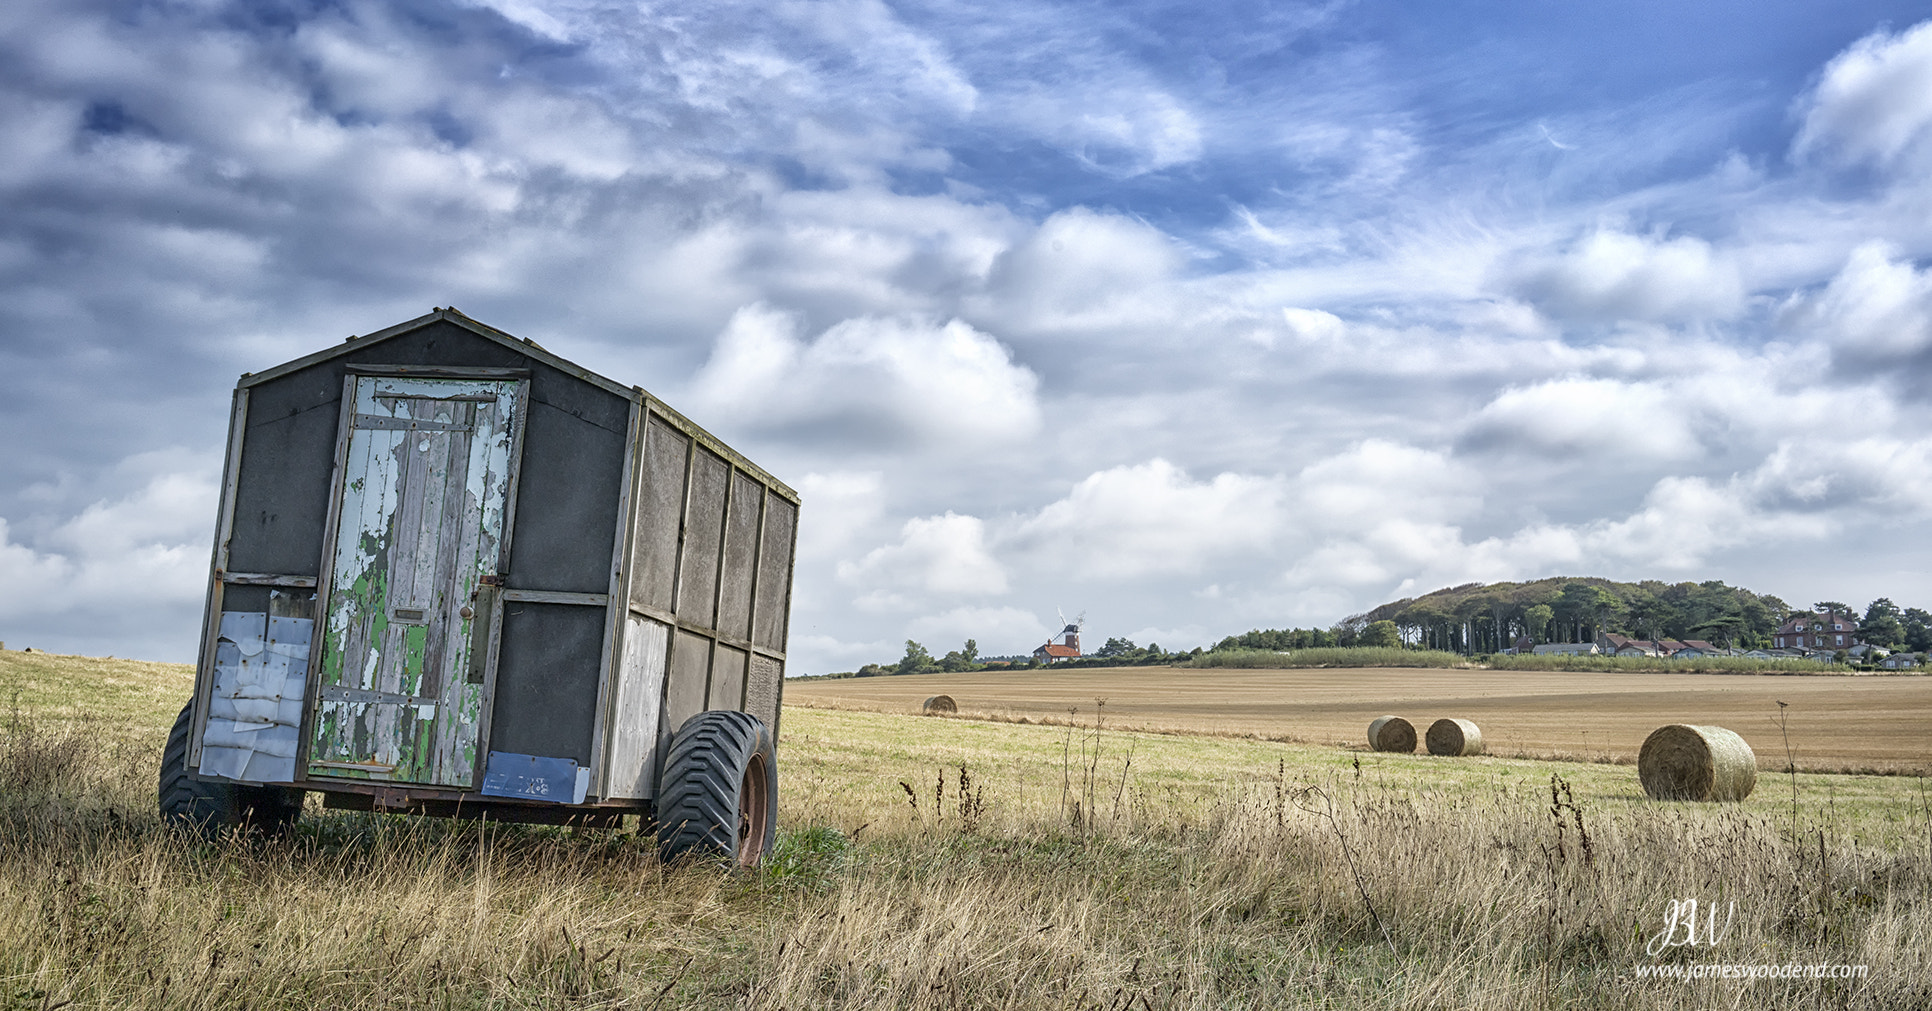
(1565, 649)
(1682, 649)
(1068, 648)
(1900, 661)
(1830, 631)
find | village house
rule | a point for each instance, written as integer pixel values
(1068, 648)
(1811, 631)
(1565, 649)
(1682, 649)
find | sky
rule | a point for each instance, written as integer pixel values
(1190, 318)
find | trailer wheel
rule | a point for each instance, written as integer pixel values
(720, 790)
(207, 806)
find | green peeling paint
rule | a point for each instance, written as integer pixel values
(411, 497)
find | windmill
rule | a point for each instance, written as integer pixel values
(1070, 631)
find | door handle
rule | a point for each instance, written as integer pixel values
(484, 613)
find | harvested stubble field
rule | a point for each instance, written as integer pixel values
(945, 863)
(1836, 723)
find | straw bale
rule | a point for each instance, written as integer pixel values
(1454, 737)
(1684, 762)
(940, 704)
(1391, 733)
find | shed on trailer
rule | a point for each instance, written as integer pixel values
(456, 574)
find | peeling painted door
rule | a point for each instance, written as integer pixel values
(405, 632)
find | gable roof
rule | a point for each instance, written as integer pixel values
(1057, 649)
(530, 349)
(521, 345)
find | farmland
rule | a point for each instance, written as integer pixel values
(1835, 723)
(959, 863)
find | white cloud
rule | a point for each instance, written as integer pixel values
(872, 380)
(997, 630)
(841, 505)
(1873, 103)
(1151, 518)
(155, 537)
(938, 555)
(1378, 481)
(1589, 418)
(1877, 311)
(1613, 275)
(1087, 270)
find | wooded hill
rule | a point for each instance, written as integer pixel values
(1486, 617)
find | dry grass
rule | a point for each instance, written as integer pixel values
(1848, 724)
(1197, 873)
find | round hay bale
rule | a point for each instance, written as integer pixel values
(1683, 762)
(1391, 733)
(1454, 737)
(940, 704)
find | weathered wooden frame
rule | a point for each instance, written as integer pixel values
(616, 601)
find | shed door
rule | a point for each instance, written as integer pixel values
(406, 633)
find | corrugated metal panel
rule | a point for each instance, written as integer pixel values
(740, 556)
(425, 485)
(762, 689)
(703, 529)
(684, 690)
(632, 766)
(727, 679)
(660, 511)
(775, 574)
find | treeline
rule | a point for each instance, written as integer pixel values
(1116, 653)
(1489, 617)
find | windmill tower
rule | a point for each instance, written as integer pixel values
(1070, 631)
(1068, 646)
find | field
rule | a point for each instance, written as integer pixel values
(950, 863)
(1835, 723)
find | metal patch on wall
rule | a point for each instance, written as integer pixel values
(255, 708)
(534, 777)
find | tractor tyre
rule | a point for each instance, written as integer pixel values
(207, 806)
(719, 794)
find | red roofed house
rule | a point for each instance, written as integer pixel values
(1067, 649)
(1810, 630)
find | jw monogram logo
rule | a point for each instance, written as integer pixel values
(1682, 928)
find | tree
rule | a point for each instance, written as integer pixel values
(1380, 633)
(1117, 648)
(916, 660)
(1918, 629)
(1537, 621)
(1883, 625)
(1833, 607)
(962, 659)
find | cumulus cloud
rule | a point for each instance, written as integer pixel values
(73, 578)
(1612, 275)
(878, 381)
(938, 555)
(843, 504)
(1152, 518)
(1082, 269)
(1876, 315)
(1588, 418)
(1873, 103)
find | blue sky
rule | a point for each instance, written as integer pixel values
(1193, 319)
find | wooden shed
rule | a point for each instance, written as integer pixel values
(456, 574)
